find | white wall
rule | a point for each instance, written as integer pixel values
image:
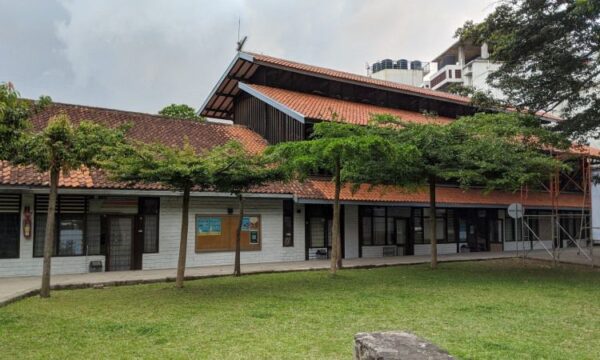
(272, 250)
(425, 249)
(351, 231)
(27, 265)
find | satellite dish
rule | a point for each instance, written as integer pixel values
(516, 210)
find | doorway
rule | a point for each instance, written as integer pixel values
(120, 254)
(401, 231)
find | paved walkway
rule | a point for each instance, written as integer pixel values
(568, 256)
(15, 288)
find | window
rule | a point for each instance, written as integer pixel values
(70, 229)
(440, 229)
(377, 224)
(288, 223)
(148, 211)
(10, 224)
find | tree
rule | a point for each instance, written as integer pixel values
(177, 168)
(350, 155)
(180, 111)
(59, 147)
(495, 151)
(236, 171)
(550, 56)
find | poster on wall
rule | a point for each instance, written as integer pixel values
(250, 223)
(208, 226)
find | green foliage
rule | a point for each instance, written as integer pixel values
(364, 155)
(65, 146)
(14, 114)
(180, 111)
(496, 151)
(550, 55)
(175, 167)
(235, 170)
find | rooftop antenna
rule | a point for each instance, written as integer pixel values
(240, 43)
(368, 67)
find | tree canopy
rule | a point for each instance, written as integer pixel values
(549, 53)
(180, 111)
(236, 171)
(176, 168)
(347, 154)
(493, 151)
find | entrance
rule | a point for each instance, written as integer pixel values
(120, 254)
(477, 234)
(401, 227)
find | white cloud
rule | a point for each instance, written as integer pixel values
(143, 55)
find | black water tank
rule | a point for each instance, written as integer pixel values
(403, 64)
(387, 64)
(416, 65)
(376, 67)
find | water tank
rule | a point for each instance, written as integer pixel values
(376, 67)
(403, 64)
(416, 65)
(387, 64)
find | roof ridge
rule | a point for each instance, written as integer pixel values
(139, 113)
(391, 84)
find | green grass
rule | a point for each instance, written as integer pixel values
(486, 310)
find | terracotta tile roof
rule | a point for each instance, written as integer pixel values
(321, 107)
(322, 189)
(145, 127)
(342, 75)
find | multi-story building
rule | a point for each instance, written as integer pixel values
(270, 100)
(400, 71)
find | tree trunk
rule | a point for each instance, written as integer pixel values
(433, 219)
(49, 236)
(336, 259)
(237, 271)
(185, 208)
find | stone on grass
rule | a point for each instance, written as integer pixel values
(395, 345)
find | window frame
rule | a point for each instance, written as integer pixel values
(19, 225)
(143, 214)
(288, 212)
(57, 221)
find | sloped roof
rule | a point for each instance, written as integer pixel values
(219, 103)
(346, 76)
(321, 108)
(144, 127)
(324, 190)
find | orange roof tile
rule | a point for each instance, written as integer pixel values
(342, 75)
(321, 107)
(322, 189)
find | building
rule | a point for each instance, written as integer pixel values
(463, 63)
(400, 71)
(112, 226)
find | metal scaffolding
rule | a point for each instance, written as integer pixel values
(556, 238)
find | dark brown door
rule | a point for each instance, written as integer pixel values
(120, 243)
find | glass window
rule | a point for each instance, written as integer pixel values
(418, 229)
(39, 234)
(9, 235)
(451, 226)
(288, 223)
(149, 211)
(93, 236)
(70, 235)
(317, 232)
(379, 231)
(366, 230)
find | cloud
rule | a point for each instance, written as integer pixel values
(144, 55)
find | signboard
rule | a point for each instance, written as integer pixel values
(250, 223)
(516, 210)
(207, 226)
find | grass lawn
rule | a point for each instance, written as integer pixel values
(497, 309)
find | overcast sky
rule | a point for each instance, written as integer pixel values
(143, 55)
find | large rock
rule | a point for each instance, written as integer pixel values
(395, 345)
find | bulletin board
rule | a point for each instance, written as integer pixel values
(218, 232)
